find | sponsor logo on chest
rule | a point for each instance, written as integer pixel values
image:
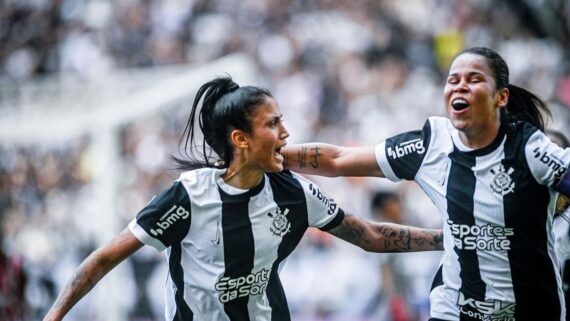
(487, 237)
(254, 283)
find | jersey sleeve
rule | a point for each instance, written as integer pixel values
(165, 220)
(323, 212)
(400, 157)
(548, 162)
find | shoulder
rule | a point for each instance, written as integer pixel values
(197, 176)
(439, 125)
(285, 177)
(292, 180)
(521, 129)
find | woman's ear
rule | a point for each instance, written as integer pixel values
(239, 138)
(503, 97)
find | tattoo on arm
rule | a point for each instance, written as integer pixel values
(315, 157)
(387, 237)
(395, 239)
(301, 157)
(350, 231)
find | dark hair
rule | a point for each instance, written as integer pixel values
(523, 105)
(225, 106)
(380, 199)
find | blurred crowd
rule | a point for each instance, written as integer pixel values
(346, 72)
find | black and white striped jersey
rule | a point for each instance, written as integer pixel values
(225, 246)
(497, 205)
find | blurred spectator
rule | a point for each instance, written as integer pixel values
(12, 286)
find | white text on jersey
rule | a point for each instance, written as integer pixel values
(485, 237)
(322, 197)
(550, 161)
(169, 218)
(251, 284)
(486, 310)
(405, 148)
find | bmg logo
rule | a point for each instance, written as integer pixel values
(405, 148)
(329, 202)
(553, 163)
(173, 215)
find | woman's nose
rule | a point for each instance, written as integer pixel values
(460, 86)
(284, 133)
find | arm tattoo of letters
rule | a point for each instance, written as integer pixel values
(301, 157)
(395, 240)
(405, 239)
(315, 157)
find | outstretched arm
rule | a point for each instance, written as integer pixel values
(331, 160)
(387, 237)
(93, 268)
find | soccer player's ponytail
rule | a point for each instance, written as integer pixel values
(526, 106)
(225, 106)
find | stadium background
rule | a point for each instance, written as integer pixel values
(93, 96)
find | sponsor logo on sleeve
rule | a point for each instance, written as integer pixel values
(175, 214)
(493, 310)
(254, 283)
(552, 162)
(481, 237)
(328, 202)
(406, 148)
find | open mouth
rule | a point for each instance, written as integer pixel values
(278, 152)
(459, 104)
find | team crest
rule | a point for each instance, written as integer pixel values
(280, 225)
(502, 182)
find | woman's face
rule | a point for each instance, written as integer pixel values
(471, 100)
(268, 135)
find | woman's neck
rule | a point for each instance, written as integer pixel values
(481, 137)
(241, 176)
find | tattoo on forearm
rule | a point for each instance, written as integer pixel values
(395, 239)
(350, 232)
(402, 239)
(315, 157)
(305, 155)
(387, 237)
(301, 157)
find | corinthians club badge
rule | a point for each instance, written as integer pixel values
(280, 225)
(502, 183)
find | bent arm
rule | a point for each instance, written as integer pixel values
(331, 160)
(387, 237)
(91, 270)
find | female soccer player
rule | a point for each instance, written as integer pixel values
(494, 177)
(228, 223)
